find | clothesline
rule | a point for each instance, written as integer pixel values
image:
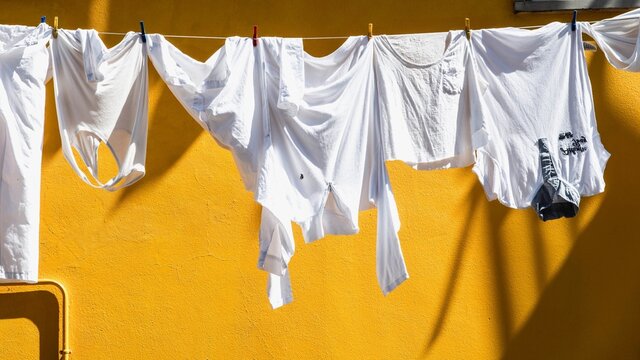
(336, 146)
(303, 38)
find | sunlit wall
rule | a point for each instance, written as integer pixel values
(166, 269)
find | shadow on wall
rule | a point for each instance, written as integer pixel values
(51, 142)
(41, 307)
(476, 196)
(591, 309)
(169, 135)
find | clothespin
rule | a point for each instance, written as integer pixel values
(255, 35)
(43, 19)
(143, 36)
(467, 27)
(573, 20)
(55, 27)
(370, 32)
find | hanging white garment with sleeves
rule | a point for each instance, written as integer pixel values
(619, 39)
(24, 61)
(323, 162)
(222, 94)
(546, 151)
(102, 97)
(426, 104)
(250, 100)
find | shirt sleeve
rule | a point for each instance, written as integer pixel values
(276, 249)
(619, 39)
(477, 87)
(291, 76)
(390, 266)
(279, 290)
(391, 269)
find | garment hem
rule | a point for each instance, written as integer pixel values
(394, 284)
(457, 161)
(9, 277)
(280, 303)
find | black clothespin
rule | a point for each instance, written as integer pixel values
(43, 19)
(142, 34)
(573, 20)
(255, 35)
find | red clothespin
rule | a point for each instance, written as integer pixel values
(255, 35)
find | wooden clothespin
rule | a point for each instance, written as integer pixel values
(370, 32)
(255, 35)
(43, 19)
(467, 27)
(55, 27)
(143, 36)
(573, 20)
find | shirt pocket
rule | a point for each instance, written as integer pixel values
(452, 78)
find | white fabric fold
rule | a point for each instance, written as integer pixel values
(323, 163)
(102, 98)
(24, 59)
(535, 85)
(619, 38)
(425, 101)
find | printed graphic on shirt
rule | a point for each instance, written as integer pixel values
(572, 145)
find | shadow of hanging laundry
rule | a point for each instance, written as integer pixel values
(476, 195)
(591, 308)
(171, 132)
(51, 142)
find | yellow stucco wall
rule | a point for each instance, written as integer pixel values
(166, 269)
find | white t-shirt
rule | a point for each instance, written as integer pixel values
(538, 96)
(24, 60)
(619, 39)
(102, 97)
(425, 101)
(323, 162)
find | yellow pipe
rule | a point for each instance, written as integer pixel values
(63, 330)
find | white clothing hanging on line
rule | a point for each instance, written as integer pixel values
(102, 97)
(24, 60)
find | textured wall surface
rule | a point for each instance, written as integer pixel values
(166, 269)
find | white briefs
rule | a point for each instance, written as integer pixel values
(102, 97)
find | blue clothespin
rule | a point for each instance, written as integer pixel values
(142, 34)
(573, 20)
(43, 19)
